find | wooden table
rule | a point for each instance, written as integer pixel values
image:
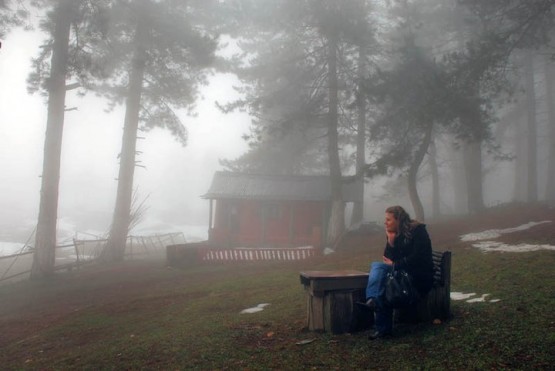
(331, 297)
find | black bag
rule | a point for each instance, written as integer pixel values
(399, 289)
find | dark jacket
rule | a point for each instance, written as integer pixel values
(414, 256)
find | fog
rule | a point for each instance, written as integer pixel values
(173, 178)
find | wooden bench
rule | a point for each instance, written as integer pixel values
(331, 297)
(437, 303)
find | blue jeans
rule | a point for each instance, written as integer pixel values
(376, 290)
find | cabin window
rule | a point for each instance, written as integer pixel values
(233, 216)
(272, 211)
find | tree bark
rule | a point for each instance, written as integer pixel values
(531, 136)
(45, 239)
(358, 207)
(473, 176)
(460, 195)
(115, 247)
(435, 180)
(472, 149)
(336, 225)
(413, 172)
(472, 156)
(520, 171)
(550, 186)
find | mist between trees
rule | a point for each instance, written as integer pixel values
(443, 105)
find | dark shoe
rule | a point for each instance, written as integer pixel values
(369, 304)
(378, 335)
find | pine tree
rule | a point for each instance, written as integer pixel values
(157, 54)
(68, 59)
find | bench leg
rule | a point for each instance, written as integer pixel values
(435, 305)
(336, 312)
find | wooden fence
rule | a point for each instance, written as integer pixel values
(84, 251)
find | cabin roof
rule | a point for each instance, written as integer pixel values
(230, 185)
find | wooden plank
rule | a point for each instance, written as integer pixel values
(339, 313)
(315, 313)
(338, 274)
(337, 285)
(320, 281)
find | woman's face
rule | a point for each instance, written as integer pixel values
(391, 224)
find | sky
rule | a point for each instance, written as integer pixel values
(174, 176)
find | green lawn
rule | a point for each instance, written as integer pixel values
(147, 316)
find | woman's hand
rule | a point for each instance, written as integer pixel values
(390, 237)
(387, 261)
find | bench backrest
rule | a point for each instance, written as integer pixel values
(442, 268)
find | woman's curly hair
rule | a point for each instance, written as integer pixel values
(406, 224)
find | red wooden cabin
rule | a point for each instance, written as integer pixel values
(271, 210)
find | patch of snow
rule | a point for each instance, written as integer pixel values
(494, 233)
(10, 248)
(73, 257)
(258, 308)
(461, 296)
(478, 300)
(488, 246)
(90, 234)
(328, 251)
(485, 235)
(191, 233)
(252, 310)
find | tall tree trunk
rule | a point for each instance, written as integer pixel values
(472, 150)
(45, 239)
(472, 156)
(435, 180)
(336, 225)
(532, 151)
(358, 207)
(550, 186)
(460, 195)
(412, 180)
(115, 248)
(473, 175)
(520, 172)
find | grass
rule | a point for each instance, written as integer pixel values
(146, 316)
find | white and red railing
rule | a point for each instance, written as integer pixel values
(256, 254)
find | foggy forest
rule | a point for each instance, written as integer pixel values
(120, 117)
(445, 106)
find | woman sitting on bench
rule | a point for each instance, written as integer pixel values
(408, 247)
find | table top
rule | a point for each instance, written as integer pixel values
(339, 274)
(320, 282)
